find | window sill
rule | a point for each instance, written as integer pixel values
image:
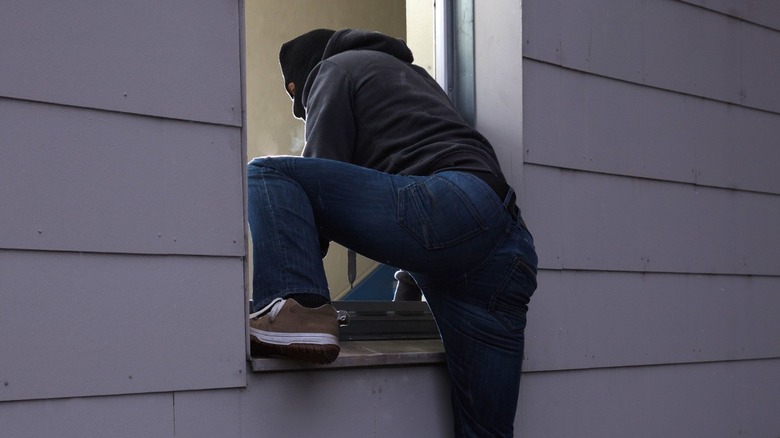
(355, 354)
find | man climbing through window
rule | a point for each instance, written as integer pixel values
(391, 171)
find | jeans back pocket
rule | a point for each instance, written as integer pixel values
(437, 213)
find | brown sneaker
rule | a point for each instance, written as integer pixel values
(287, 329)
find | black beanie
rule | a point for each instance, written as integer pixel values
(298, 57)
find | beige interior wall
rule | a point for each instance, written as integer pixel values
(420, 33)
(271, 128)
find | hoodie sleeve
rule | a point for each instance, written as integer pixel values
(330, 125)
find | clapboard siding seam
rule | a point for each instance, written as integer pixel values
(642, 272)
(735, 16)
(120, 112)
(531, 162)
(553, 369)
(648, 86)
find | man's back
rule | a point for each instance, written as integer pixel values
(370, 108)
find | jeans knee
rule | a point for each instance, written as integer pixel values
(259, 161)
(260, 165)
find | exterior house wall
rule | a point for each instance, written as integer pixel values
(122, 241)
(641, 135)
(650, 134)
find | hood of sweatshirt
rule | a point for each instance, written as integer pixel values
(353, 39)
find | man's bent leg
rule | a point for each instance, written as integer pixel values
(287, 263)
(285, 242)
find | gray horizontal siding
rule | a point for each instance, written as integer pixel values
(665, 44)
(585, 320)
(355, 403)
(86, 180)
(175, 59)
(593, 221)
(713, 400)
(650, 133)
(763, 12)
(79, 324)
(580, 121)
(678, 401)
(148, 415)
(122, 242)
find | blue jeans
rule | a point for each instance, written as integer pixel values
(473, 261)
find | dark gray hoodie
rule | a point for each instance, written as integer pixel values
(367, 104)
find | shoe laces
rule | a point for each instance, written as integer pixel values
(272, 309)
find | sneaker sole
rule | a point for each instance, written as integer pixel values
(278, 338)
(318, 348)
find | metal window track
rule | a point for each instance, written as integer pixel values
(386, 320)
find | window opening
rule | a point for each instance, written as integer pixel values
(440, 35)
